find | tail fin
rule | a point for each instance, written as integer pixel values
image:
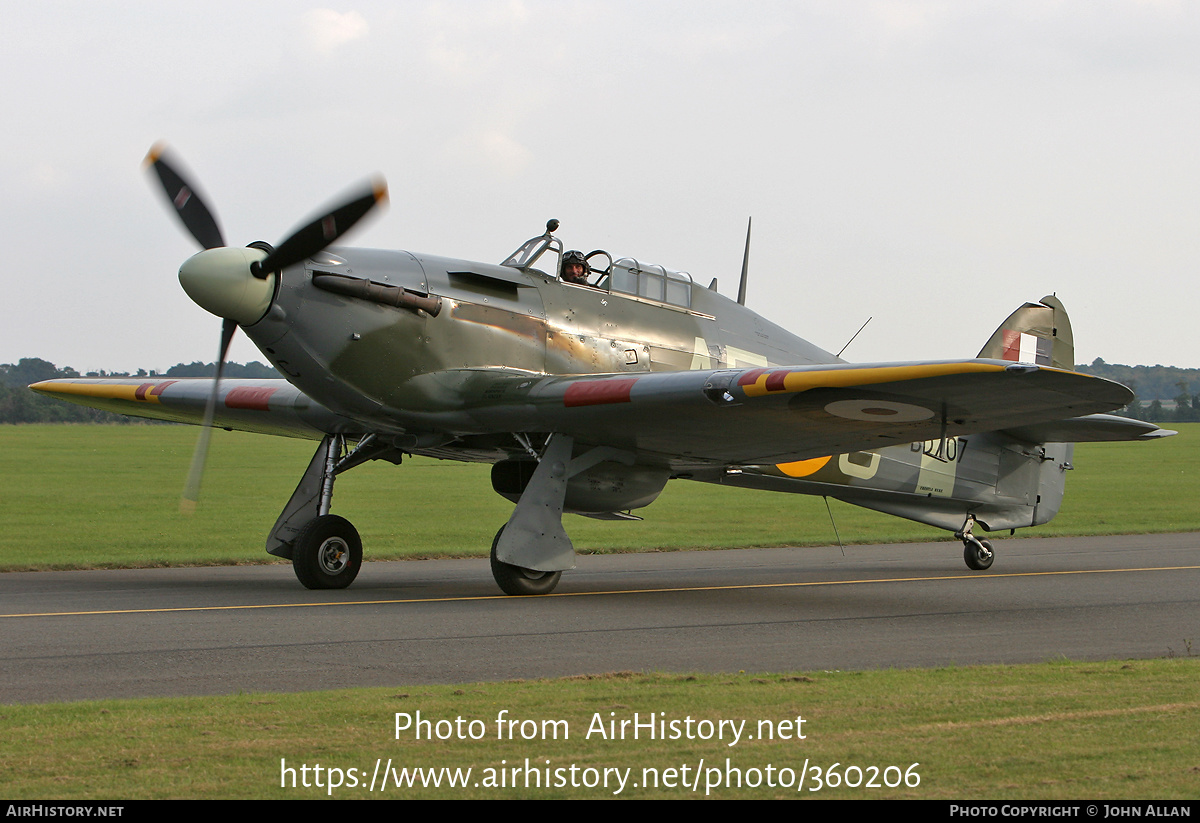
(1035, 333)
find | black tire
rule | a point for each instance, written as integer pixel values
(975, 559)
(327, 553)
(518, 581)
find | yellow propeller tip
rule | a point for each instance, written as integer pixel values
(380, 189)
(156, 151)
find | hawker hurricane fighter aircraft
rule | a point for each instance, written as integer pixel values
(589, 381)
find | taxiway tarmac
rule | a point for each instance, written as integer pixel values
(79, 635)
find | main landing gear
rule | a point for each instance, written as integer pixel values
(529, 553)
(977, 553)
(532, 549)
(325, 550)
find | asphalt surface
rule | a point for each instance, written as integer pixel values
(159, 632)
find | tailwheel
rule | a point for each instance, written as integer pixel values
(516, 580)
(978, 554)
(327, 553)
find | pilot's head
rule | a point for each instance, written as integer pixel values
(574, 267)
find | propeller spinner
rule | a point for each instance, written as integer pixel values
(237, 284)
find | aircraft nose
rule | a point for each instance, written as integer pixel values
(219, 281)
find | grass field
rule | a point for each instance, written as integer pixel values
(94, 496)
(106, 496)
(1098, 731)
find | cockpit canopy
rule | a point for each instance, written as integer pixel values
(622, 276)
(628, 276)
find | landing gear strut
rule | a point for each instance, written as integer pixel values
(977, 553)
(325, 550)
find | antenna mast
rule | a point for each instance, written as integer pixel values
(745, 265)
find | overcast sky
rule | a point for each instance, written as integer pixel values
(931, 164)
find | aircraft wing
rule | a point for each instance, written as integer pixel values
(720, 416)
(262, 406)
(786, 414)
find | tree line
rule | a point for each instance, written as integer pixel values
(1162, 394)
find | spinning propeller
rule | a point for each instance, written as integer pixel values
(238, 284)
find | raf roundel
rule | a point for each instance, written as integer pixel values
(878, 410)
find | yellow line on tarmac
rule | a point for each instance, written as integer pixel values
(594, 594)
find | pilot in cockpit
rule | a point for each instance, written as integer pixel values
(575, 268)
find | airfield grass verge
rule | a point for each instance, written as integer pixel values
(108, 496)
(1056, 730)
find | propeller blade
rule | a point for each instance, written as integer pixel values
(197, 218)
(191, 489)
(321, 232)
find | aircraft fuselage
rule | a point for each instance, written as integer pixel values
(380, 362)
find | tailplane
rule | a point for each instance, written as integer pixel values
(1035, 333)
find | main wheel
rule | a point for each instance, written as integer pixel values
(327, 553)
(516, 580)
(977, 560)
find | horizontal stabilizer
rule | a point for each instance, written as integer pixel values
(1095, 428)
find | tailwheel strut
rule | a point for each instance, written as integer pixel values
(977, 553)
